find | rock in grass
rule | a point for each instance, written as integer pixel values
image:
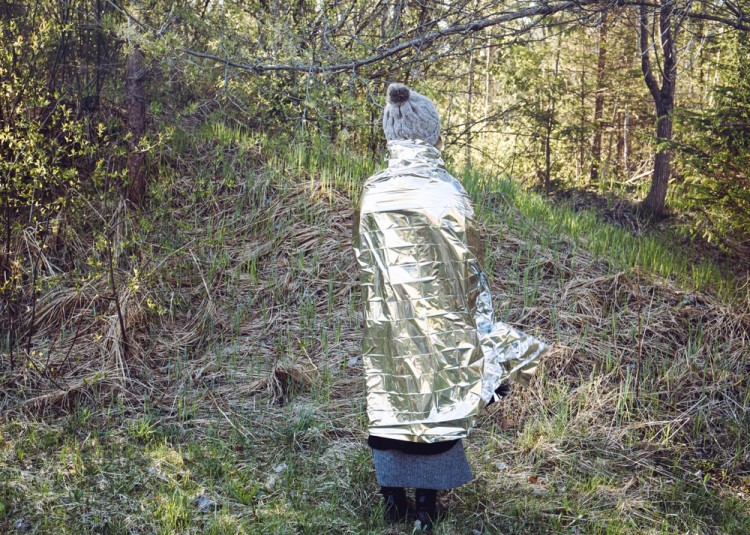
(280, 468)
(273, 479)
(22, 525)
(205, 504)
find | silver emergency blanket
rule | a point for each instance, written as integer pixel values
(432, 353)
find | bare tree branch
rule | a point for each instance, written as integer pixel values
(474, 26)
(648, 74)
(741, 22)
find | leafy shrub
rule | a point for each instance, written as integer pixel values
(717, 158)
(47, 156)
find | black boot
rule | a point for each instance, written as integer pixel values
(426, 502)
(396, 506)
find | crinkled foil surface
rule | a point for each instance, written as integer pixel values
(433, 354)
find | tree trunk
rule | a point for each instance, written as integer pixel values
(626, 144)
(608, 160)
(655, 201)
(488, 82)
(136, 105)
(548, 150)
(582, 131)
(551, 123)
(469, 98)
(596, 146)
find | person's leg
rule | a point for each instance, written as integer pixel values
(426, 507)
(396, 506)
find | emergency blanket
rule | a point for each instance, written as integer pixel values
(433, 355)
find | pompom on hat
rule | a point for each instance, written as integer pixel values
(409, 115)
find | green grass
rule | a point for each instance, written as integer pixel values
(110, 480)
(634, 424)
(551, 225)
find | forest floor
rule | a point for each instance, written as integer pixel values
(234, 402)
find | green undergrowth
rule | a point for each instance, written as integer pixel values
(255, 420)
(531, 215)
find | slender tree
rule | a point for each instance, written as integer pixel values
(663, 96)
(601, 65)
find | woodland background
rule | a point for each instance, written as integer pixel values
(179, 315)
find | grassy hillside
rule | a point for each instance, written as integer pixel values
(233, 399)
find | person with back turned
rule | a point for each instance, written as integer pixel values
(432, 353)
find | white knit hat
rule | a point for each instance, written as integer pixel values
(409, 115)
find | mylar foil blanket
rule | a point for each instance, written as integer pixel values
(432, 353)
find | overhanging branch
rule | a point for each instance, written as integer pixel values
(474, 26)
(741, 23)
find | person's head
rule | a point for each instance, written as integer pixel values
(409, 115)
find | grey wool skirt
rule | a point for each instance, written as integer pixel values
(439, 472)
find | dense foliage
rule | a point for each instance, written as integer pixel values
(717, 153)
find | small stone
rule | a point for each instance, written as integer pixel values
(205, 504)
(280, 468)
(271, 483)
(22, 524)
(501, 465)
(353, 361)
(540, 491)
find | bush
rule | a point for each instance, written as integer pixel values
(47, 156)
(717, 158)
